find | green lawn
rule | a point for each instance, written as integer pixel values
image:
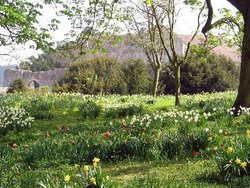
(140, 143)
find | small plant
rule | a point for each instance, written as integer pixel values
(93, 176)
(89, 110)
(38, 107)
(233, 159)
(17, 85)
(13, 119)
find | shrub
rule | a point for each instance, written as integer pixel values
(13, 119)
(90, 110)
(124, 111)
(136, 76)
(38, 108)
(93, 76)
(17, 85)
(203, 72)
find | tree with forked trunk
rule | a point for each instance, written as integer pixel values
(243, 6)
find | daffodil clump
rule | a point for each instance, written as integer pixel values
(232, 155)
(12, 118)
(93, 176)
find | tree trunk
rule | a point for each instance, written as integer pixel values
(177, 75)
(243, 97)
(155, 80)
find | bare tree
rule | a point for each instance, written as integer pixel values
(171, 10)
(144, 34)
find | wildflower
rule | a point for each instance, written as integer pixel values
(206, 129)
(123, 123)
(210, 138)
(96, 160)
(243, 164)
(107, 178)
(14, 145)
(248, 133)
(85, 168)
(215, 148)
(94, 164)
(230, 150)
(237, 161)
(195, 153)
(67, 178)
(230, 161)
(93, 181)
(220, 131)
(106, 135)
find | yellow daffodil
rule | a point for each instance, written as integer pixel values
(85, 168)
(230, 150)
(93, 181)
(243, 164)
(238, 161)
(96, 160)
(210, 138)
(107, 178)
(248, 133)
(67, 178)
(94, 164)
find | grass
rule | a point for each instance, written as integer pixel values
(130, 171)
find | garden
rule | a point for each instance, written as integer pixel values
(73, 140)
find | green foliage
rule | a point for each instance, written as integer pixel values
(136, 76)
(89, 109)
(193, 137)
(124, 111)
(38, 108)
(17, 85)
(13, 119)
(203, 72)
(19, 24)
(104, 75)
(93, 76)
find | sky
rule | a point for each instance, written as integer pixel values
(187, 21)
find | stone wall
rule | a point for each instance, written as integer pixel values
(43, 78)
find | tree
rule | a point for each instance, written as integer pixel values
(144, 34)
(18, 20)
(243, 6)
(171, 11)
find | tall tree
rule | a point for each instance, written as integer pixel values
(171, 11)
(144, 34)
(243, 6)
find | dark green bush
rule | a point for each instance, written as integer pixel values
(124, 111)
(38, 108)
(90, 110)
(17, 85)
(203, 71)
(93, 76)
(136, 76)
